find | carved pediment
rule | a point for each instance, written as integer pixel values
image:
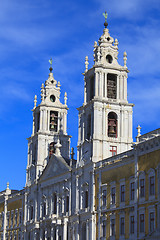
(56, 166)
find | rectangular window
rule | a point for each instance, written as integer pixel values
(112, 227)
(104, 228)
(55, 204)
(151, 221)
(113, 150)
(122, 193)
(122, 226)
(86, 199)
(111, 86)
(141, 188)
(104, 197)
(152, 185)
(141, 223)
(53, 121)
(132, 224)
(132, 190)
(113, 195)
(67, 203)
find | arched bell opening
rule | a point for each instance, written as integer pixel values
(112, 125)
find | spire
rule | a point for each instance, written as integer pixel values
(7, 186)
(42, 92)
(35, 101)
(65, 98)
(125, 59)
(72, 153)
(86, 63)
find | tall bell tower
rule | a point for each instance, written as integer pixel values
(49, 129)
(105, 119)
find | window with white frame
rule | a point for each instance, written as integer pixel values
(67, 204)
(151, 179)
(151, 185)
(54, 203)
(122, 225)
(16, 217)
(141, 223)
(132, 190)
(86, 199)
(104, 195)
(131, 224)
(112, 227)
(20, 216)
(113, 195)
(44, 206)
(142, 187)
(151, 221)
(122, 193)
(103, 228)
(31, 211)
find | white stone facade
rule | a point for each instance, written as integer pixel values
(59, 197)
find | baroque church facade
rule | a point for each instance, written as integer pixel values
(112, 190)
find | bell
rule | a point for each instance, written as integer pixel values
(111, 129)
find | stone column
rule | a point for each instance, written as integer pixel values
(52, 232)
(57, 232)
(41, 233)
(65, 229)
(99, 205)
(96, 84)
(46, 233)
(77, 193)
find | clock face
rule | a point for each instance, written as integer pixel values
(109, 58)
(52, 98)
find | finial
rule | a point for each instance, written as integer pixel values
(42, 92)
(65, 98)
(139, 133)
(58, 146)
(86, 63)
(105, 15)
(35, 101)
(58, 84)
(125, 59)
(116, 42)
(50, 61)
(72, 153)
(95, 44)
(7, 185)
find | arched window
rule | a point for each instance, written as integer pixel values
(51, 148)
(112, 124)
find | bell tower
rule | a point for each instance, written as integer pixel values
(49, 128)
(105, 119)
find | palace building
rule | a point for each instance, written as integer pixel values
(112, 190)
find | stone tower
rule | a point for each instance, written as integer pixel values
(49, 129)
(105, 119)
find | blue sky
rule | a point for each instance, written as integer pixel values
(34, 31)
